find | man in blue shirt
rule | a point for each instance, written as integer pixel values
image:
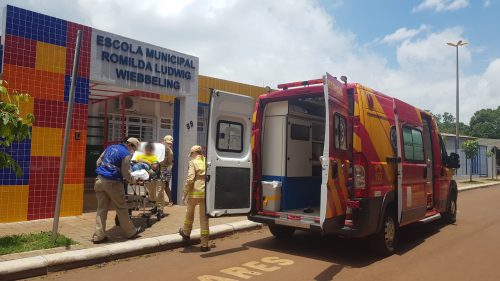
(113, 166)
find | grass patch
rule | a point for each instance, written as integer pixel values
(32, 241)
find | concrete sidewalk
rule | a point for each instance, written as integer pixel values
(81, 228)
(464, 185)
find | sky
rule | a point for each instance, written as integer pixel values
(396, 47)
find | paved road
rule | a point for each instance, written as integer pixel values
(469, 250)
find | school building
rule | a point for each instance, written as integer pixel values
(124, 88)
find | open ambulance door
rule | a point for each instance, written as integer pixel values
(335, 160)
(229, 155)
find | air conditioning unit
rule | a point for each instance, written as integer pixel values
(128, 105)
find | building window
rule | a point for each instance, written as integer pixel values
(166, 123)
(139, 127)
(299, 132)
(229, 136)
(340, 132)
(413, 144)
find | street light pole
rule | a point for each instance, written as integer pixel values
(458, 44)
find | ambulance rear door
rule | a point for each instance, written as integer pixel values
(229, 155)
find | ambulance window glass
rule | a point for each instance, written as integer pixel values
(418, 145)
(299, 132)
(413, 144)
(340, 132)
(229, 136)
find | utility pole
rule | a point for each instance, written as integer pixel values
(62, 165)
(457, 141)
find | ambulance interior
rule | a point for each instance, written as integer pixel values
(293, 134)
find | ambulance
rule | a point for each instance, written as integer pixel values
(331, 157)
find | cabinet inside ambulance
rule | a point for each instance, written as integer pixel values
(293, 133)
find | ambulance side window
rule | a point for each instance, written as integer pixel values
(229, 136)
(413, 144)
(340, 132)
(299, 132)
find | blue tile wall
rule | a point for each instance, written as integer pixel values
(21, 152)
(81, 90)
(39, 27)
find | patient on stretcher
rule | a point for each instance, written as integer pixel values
(147, 161)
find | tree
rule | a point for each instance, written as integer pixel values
(446, 124)
(470, 148)
(485, 123)
(13, 127)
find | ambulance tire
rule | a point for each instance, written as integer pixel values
(385, 241)
(281, 232)
(450, 216)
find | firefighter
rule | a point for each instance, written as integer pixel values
(194, 194)
(113, 166)
(166, 166)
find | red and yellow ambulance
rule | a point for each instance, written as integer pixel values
(327, 156)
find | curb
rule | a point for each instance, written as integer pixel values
(467, 188)
(42, 265)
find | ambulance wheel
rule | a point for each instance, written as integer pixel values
(281, 232)
(384, 242)
(450, 216)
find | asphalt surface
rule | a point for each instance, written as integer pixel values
(468, 250)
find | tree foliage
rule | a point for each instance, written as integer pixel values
(13, 126)
(485, 123)
(446, 124)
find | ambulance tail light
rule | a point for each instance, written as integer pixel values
(301, 83)
(359, 181)
(359, 176)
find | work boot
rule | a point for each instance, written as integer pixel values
(184, 236)
(138, 230)
(103, 240)
(204, 248)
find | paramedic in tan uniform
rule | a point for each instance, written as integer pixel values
(113, 166)
(194, 194)
(167, 164)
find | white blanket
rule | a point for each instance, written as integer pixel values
(140, 174)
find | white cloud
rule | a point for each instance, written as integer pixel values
(265, 43)
(441, 5)
(403, 34)
(487, 3)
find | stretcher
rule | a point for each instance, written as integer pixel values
(142, 195)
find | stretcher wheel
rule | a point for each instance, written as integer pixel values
(158, 216)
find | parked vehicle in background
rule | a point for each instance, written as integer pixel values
(331, 157)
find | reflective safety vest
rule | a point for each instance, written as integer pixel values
(110, 167)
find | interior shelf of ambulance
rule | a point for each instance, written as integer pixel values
(292, 143)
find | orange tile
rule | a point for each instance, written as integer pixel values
(13, 203)
(37, 83)
(50, 58)
(75, 164)
(46, 141)
(25, 107)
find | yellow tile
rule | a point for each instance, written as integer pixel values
(50, 57)
(13, 203)
(46, 141)
(72, 200)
